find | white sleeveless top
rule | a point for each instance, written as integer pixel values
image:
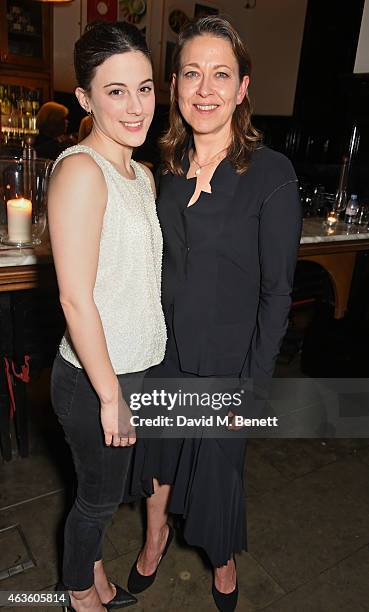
(127, 290)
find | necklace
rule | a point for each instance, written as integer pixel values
(213, 159)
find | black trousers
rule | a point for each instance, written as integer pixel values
(101, 470)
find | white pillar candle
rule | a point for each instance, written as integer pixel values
(19, 220)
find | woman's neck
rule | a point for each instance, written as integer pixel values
(208, 145)
(119, 155)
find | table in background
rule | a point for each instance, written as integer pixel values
(335, 251)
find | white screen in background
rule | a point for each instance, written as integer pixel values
(362, 53)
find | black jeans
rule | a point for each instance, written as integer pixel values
(101, 470)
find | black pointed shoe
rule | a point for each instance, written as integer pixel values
(225, 602)
(122, 599)
(136, 581)
(71, 609)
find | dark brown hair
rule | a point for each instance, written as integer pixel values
(245, 137)
(101, 40)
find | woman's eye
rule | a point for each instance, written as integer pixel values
(146, 89)
(190, 74)
(222, 75)
(116, 92)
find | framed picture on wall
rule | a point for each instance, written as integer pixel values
(137, 12)
(176, 13)
(102, 10)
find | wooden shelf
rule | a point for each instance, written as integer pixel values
(24, 34)
(41, 60)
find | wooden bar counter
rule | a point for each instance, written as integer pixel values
(25, 268)
(335, 251)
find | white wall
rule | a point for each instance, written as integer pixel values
(362, 54)
(67, 29)
(273, 32)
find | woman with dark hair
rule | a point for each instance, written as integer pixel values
(231, 221)
(107, 249)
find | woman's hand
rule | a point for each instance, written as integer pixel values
(116, 421)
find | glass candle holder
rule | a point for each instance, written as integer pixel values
(23, 189)
(332, 219)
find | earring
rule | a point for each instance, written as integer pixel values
(90, 113)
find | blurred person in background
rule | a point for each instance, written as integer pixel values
(52, 124)
(85, 128)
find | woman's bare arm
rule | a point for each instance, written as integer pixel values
(76, 205)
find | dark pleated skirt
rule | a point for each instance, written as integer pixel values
(206, 476)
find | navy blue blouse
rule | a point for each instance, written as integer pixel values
(228, 265)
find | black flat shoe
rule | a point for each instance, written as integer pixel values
(136, 581)
(122, 599)
(225, 602)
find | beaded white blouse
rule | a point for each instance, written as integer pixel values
(127, 289)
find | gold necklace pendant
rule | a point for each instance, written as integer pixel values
(213, 159)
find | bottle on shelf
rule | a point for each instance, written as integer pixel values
(18, 111)
(6, 105)
(35, 109)
(20, 105)
(352, 209)
(14, 116)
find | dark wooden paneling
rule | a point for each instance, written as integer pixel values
(328, 51)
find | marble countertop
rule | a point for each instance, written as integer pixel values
(314, 231)
(13, 256)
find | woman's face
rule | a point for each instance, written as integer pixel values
(208, 84)
(121, 98)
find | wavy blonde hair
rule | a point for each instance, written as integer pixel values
(245, 137)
